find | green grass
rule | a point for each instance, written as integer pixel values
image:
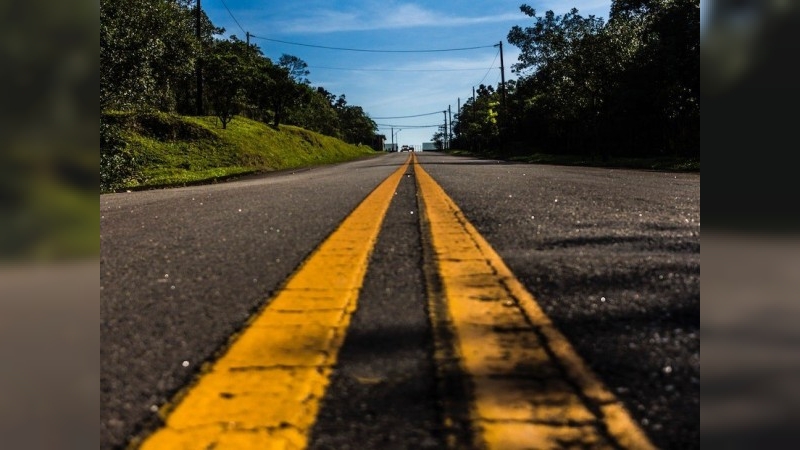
(665, 163)
(176, 150)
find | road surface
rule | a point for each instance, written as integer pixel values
(404, 301)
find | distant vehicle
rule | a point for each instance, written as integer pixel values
(406, 148)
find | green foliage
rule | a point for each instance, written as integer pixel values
(175, 150)
(229, 70)
(565, 59)
(117, 164)
(146, 46)
(626, 87)
(438, 138)
(296, 67)
(150, 55)
(476, 127)
(354, 124)
(659, 90)
(284, 93)
(316, 113)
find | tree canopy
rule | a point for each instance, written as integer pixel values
(150, 56)
(628, 86)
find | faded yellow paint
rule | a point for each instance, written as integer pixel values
(264, 391)
(531, 390)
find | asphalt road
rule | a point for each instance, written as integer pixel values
(612, 256)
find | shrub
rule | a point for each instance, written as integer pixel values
(117, 164)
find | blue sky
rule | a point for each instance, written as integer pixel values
(396, 83)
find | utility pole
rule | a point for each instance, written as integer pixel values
(392, 132)
(199, 62)
(504, 108)
(473, 95)
(247, 33)
(444, 132)
(502, 75)
(450, 129)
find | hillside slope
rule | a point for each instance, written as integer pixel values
(141, 150)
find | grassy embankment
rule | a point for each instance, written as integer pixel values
(171, 150)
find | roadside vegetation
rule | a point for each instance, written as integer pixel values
(623, 91)
(159, 149)
(179, 104)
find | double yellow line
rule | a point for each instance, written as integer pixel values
(530, 389)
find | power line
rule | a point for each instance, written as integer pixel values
(406, 117)
(490, 68)
(232, 17)
(371, 50)
(395, 70)
(383, 125)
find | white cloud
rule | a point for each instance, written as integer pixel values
(368, 19)
(585, 7)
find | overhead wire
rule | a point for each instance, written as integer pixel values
(380, 70)
(395, 70)
(407, 117)
(490, 67)
(234, 18)
(371, 50)
(384, 125)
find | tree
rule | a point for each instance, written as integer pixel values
(297, 68)
(149, 52)
(228, 72)
(438, 138)
(565, 57)
(629, 86)
(260, 89)
(316, 112)
(476, 126)
(283, 93)
(146, 48)
(354, 124)
(664, 70)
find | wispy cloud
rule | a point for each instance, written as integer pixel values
(369, 19)
(395, 84)
(585, 7)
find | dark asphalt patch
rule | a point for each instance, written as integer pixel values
(383, 391)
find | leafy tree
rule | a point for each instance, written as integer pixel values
(627, 86)
(298, 69)
(228, 72)
(566, 57)
(438, 138)
(186, 86)
(150, 54)
(283, 93)
(354, 124)
(145, 47)
(476, 127)
(663, 72)
(316, 112)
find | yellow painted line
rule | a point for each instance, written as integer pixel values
(531, 390)
(264, 391)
